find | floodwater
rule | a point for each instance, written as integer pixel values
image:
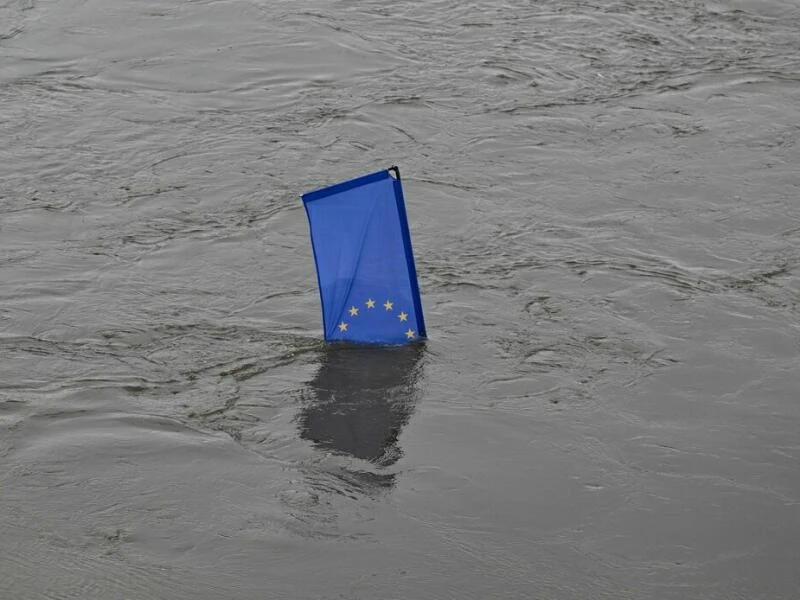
(604, 200)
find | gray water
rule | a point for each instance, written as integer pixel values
(603, 199)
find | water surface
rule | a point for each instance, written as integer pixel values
(603, 198)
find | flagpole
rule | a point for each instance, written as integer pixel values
(412, 269)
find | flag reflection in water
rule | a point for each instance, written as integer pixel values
(362, 397)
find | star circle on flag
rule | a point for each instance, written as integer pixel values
(370, 303)
(353, 311)
(342, 326)
(388, 305)
(410, 334)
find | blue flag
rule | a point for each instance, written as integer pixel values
(365, 267)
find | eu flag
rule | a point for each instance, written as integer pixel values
(365, 267)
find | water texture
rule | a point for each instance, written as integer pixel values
(603, 198)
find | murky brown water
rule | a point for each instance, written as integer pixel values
(604, 204)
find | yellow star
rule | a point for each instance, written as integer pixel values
(388, 305)
(342, 326)
(370, 303)
(410, 334)
(402, 316)
(353, 311)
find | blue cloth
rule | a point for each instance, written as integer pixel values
(365, 266)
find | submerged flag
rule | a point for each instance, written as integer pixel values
(365, 267)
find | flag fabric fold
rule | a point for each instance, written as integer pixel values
(365, 265)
